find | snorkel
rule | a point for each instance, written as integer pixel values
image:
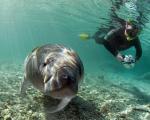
(128, 37)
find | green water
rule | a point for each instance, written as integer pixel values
(26, 24)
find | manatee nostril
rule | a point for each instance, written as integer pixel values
(64, 77)
(56, 85)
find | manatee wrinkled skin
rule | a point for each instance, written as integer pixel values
(54, 70)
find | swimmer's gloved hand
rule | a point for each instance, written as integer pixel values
(128, 61)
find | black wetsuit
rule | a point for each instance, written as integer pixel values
(116, 41)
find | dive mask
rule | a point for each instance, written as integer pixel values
(131, 31)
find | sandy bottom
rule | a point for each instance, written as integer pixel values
(102, 97)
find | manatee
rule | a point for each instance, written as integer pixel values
(54, 70)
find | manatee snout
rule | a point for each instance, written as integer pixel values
(65, 81)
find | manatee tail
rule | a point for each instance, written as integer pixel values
(84, 36)
(60, 106)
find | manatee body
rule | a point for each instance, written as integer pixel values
(56, 71)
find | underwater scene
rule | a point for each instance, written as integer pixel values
(87, 59)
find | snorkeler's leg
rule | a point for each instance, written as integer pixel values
(98, 37)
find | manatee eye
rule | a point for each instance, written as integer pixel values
(44, 64)
(68, 78)
(65, 76)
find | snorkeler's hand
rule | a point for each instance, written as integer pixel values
(129, 61)
(120, 57)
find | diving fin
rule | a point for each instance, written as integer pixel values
(84, 36)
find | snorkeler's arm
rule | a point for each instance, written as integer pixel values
(111, 34)
(113, 51)
(106, 42)
(101, 38)
(110, 48)
(138, 49)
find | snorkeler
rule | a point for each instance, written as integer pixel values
(118, 40)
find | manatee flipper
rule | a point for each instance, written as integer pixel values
(60, 106)
(24, 85)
